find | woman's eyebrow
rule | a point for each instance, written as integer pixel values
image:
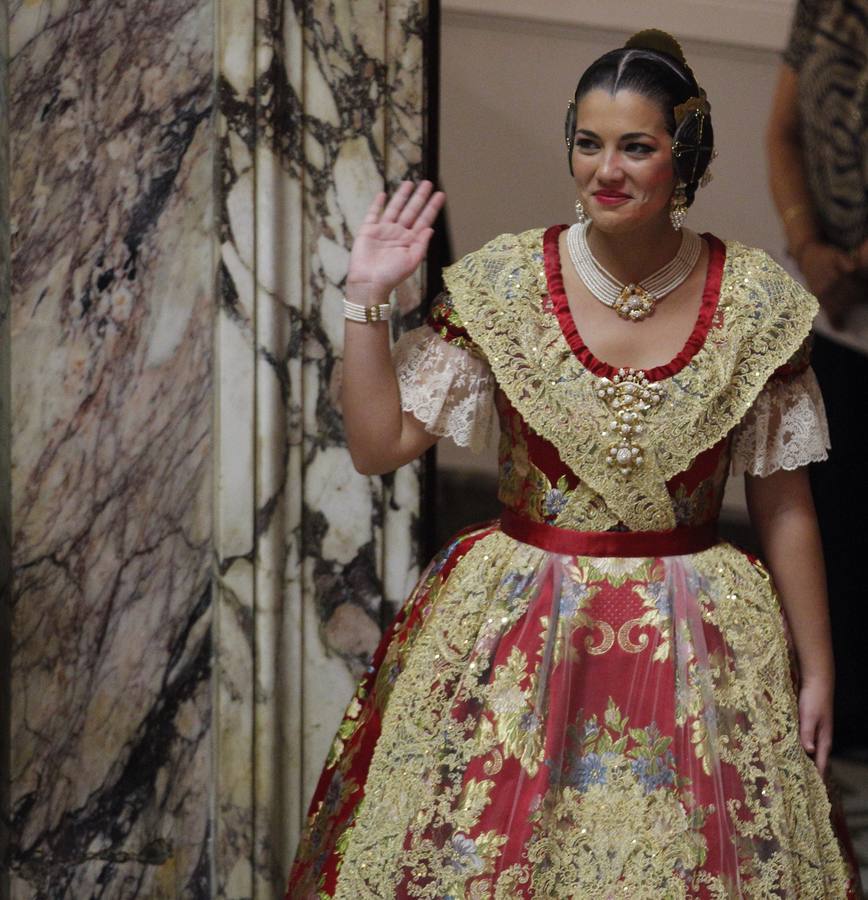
(629, 136)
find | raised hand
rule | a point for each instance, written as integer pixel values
(393, 239)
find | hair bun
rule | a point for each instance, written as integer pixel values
(661, 41)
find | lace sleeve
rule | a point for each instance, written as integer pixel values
(784, 429)
(446, 387)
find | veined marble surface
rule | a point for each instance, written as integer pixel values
(308, 133)
(179, 243)
(5, 434)
(111, 334)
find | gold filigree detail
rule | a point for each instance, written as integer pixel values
(495, 764)
(764, 316)
(624, 640)
(586, 510)
(518, 720)
(607, 641)
(419, 829)
(629, 397)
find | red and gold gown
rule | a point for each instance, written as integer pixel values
(591, 697)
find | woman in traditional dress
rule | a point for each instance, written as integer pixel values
(592, 696)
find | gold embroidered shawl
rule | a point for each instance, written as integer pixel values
(763, 317)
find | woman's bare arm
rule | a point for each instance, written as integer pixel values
(389, 247)
(782, 512)
(787, 179)
(823, 265)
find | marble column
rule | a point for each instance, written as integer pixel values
(195, 574)
(5, 468)
(313, 557)
(110, 304)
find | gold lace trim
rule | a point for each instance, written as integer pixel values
(419, 739)
(763, 317)
(416, 792)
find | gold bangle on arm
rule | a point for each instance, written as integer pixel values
(795, 211)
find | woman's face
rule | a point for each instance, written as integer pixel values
(622, 160)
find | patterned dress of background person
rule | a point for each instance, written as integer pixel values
(818, 162)
(544, 723)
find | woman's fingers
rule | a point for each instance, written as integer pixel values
(413, 209)
(815, 726)
(396, 204)
(824, 746)
(429, 213)
(846, 262)
(372, 216)
(415, 204)
(807, 728)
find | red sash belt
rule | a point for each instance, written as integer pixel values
(688, 539)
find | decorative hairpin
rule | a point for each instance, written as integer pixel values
(695, 105)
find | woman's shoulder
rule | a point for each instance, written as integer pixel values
(745, 254)
(752, 261)
(765, 309)
(506, 245)
(754, 276)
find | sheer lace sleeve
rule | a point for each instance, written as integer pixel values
(446, 387)
(784, 429)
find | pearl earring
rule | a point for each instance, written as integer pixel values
(678, 206)
(581, 216)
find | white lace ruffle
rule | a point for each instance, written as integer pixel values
(448, 389)
(784, 429)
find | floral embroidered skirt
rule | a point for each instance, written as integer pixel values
(536, 724)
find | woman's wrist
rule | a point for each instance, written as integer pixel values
(798, 249)
(817, 672)
(366, 293)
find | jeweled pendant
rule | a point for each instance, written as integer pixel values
(634, 303)
(629, 396)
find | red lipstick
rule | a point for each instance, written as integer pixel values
(609, 198)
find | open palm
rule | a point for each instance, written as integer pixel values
(394, 237)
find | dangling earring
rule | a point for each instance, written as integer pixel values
(678, 206)
(581, 216)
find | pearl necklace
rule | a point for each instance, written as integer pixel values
(632, 301)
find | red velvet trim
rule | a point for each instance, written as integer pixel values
(788, 371)
(446, 329)
(701, 469)
(608, 543)
(710, 297)
(541, 452)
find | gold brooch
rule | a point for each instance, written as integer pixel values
(634, 303)
(629, 396)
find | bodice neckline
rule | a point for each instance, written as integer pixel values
(693, 344)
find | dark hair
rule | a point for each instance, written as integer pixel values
(669, 82)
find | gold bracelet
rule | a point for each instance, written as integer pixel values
(355, 312)
(794, 211)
